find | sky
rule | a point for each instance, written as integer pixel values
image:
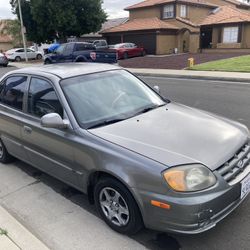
(114, 8)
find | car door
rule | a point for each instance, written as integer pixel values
(19, 53)
(48, 149)
(12, 92)
(58, 54)
(67, 55)
(31, 54)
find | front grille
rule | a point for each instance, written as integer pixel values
(237, 164)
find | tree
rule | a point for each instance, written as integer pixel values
(46, 20)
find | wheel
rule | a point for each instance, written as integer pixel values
(143, 53)
(5, 157)
(39, 57)
(125, 55)
(18, 59)
(117, 206)
(47, 61)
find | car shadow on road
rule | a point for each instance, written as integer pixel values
(150, 239)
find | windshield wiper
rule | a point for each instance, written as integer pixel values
(106, 122)
(145, 110)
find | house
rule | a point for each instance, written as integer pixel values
(110, 23)
(6, 41)
(168, 26)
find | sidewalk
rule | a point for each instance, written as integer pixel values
(186, 74)
(193, 74)
(14, 236)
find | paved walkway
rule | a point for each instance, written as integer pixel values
(14, 236)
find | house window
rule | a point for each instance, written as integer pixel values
(183, 11)
(230, 34)
(168, 11)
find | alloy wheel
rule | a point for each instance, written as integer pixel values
(114, 206)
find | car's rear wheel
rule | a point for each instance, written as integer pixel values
(117, 206)
(18, 59)
(125, 55)
(47, 61)
(5, 157)
(143, 53)
(39, 57)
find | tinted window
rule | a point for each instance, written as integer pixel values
(69, 49)
(12, 91)
(42, 99)
(20, 50)
(103, 43)
(84, 46)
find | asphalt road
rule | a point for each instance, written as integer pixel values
(62, 218)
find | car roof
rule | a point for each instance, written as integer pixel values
(67, 70)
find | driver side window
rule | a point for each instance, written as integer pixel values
(42, 98)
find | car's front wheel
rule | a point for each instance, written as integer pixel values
(39, 57)
(117, 206)
(5, 157)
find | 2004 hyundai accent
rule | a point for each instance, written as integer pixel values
(142, 159)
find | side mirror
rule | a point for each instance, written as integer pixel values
(157, 89)
(53, 120)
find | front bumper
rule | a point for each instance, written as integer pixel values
(190, 213)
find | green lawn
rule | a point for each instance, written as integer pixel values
(236, 64)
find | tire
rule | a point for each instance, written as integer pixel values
(124, 208)
(5, 157)
(39, 57)
(18, 59)
(143, 53)
(125, 55)
(47, 61)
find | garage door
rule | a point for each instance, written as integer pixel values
(148, 41)
(113, 39)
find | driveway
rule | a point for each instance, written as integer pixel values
(174, 61)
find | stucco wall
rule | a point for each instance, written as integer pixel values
(244, 44)
(165, 44)
(5, 46)
(194, 14)
(145, 13)
(194, 43)
(246, 36)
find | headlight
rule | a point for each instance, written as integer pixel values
(189, 178)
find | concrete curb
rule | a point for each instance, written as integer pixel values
(17, 237)
(197, 75)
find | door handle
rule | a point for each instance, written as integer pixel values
(27, 129)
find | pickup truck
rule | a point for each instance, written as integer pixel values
(80, 52)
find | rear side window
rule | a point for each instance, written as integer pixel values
(12, 91)
(42, 99)
(84, 46)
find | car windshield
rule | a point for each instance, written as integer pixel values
(103, 98)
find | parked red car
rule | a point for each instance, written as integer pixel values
(126, 50)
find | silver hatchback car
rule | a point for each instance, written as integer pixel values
(143, 160)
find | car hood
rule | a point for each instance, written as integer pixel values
(176, 134)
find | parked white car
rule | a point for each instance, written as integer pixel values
(19, 54)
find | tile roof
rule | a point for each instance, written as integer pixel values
(188, 22)
(149, 3)
(226, 14)
(142, 24)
